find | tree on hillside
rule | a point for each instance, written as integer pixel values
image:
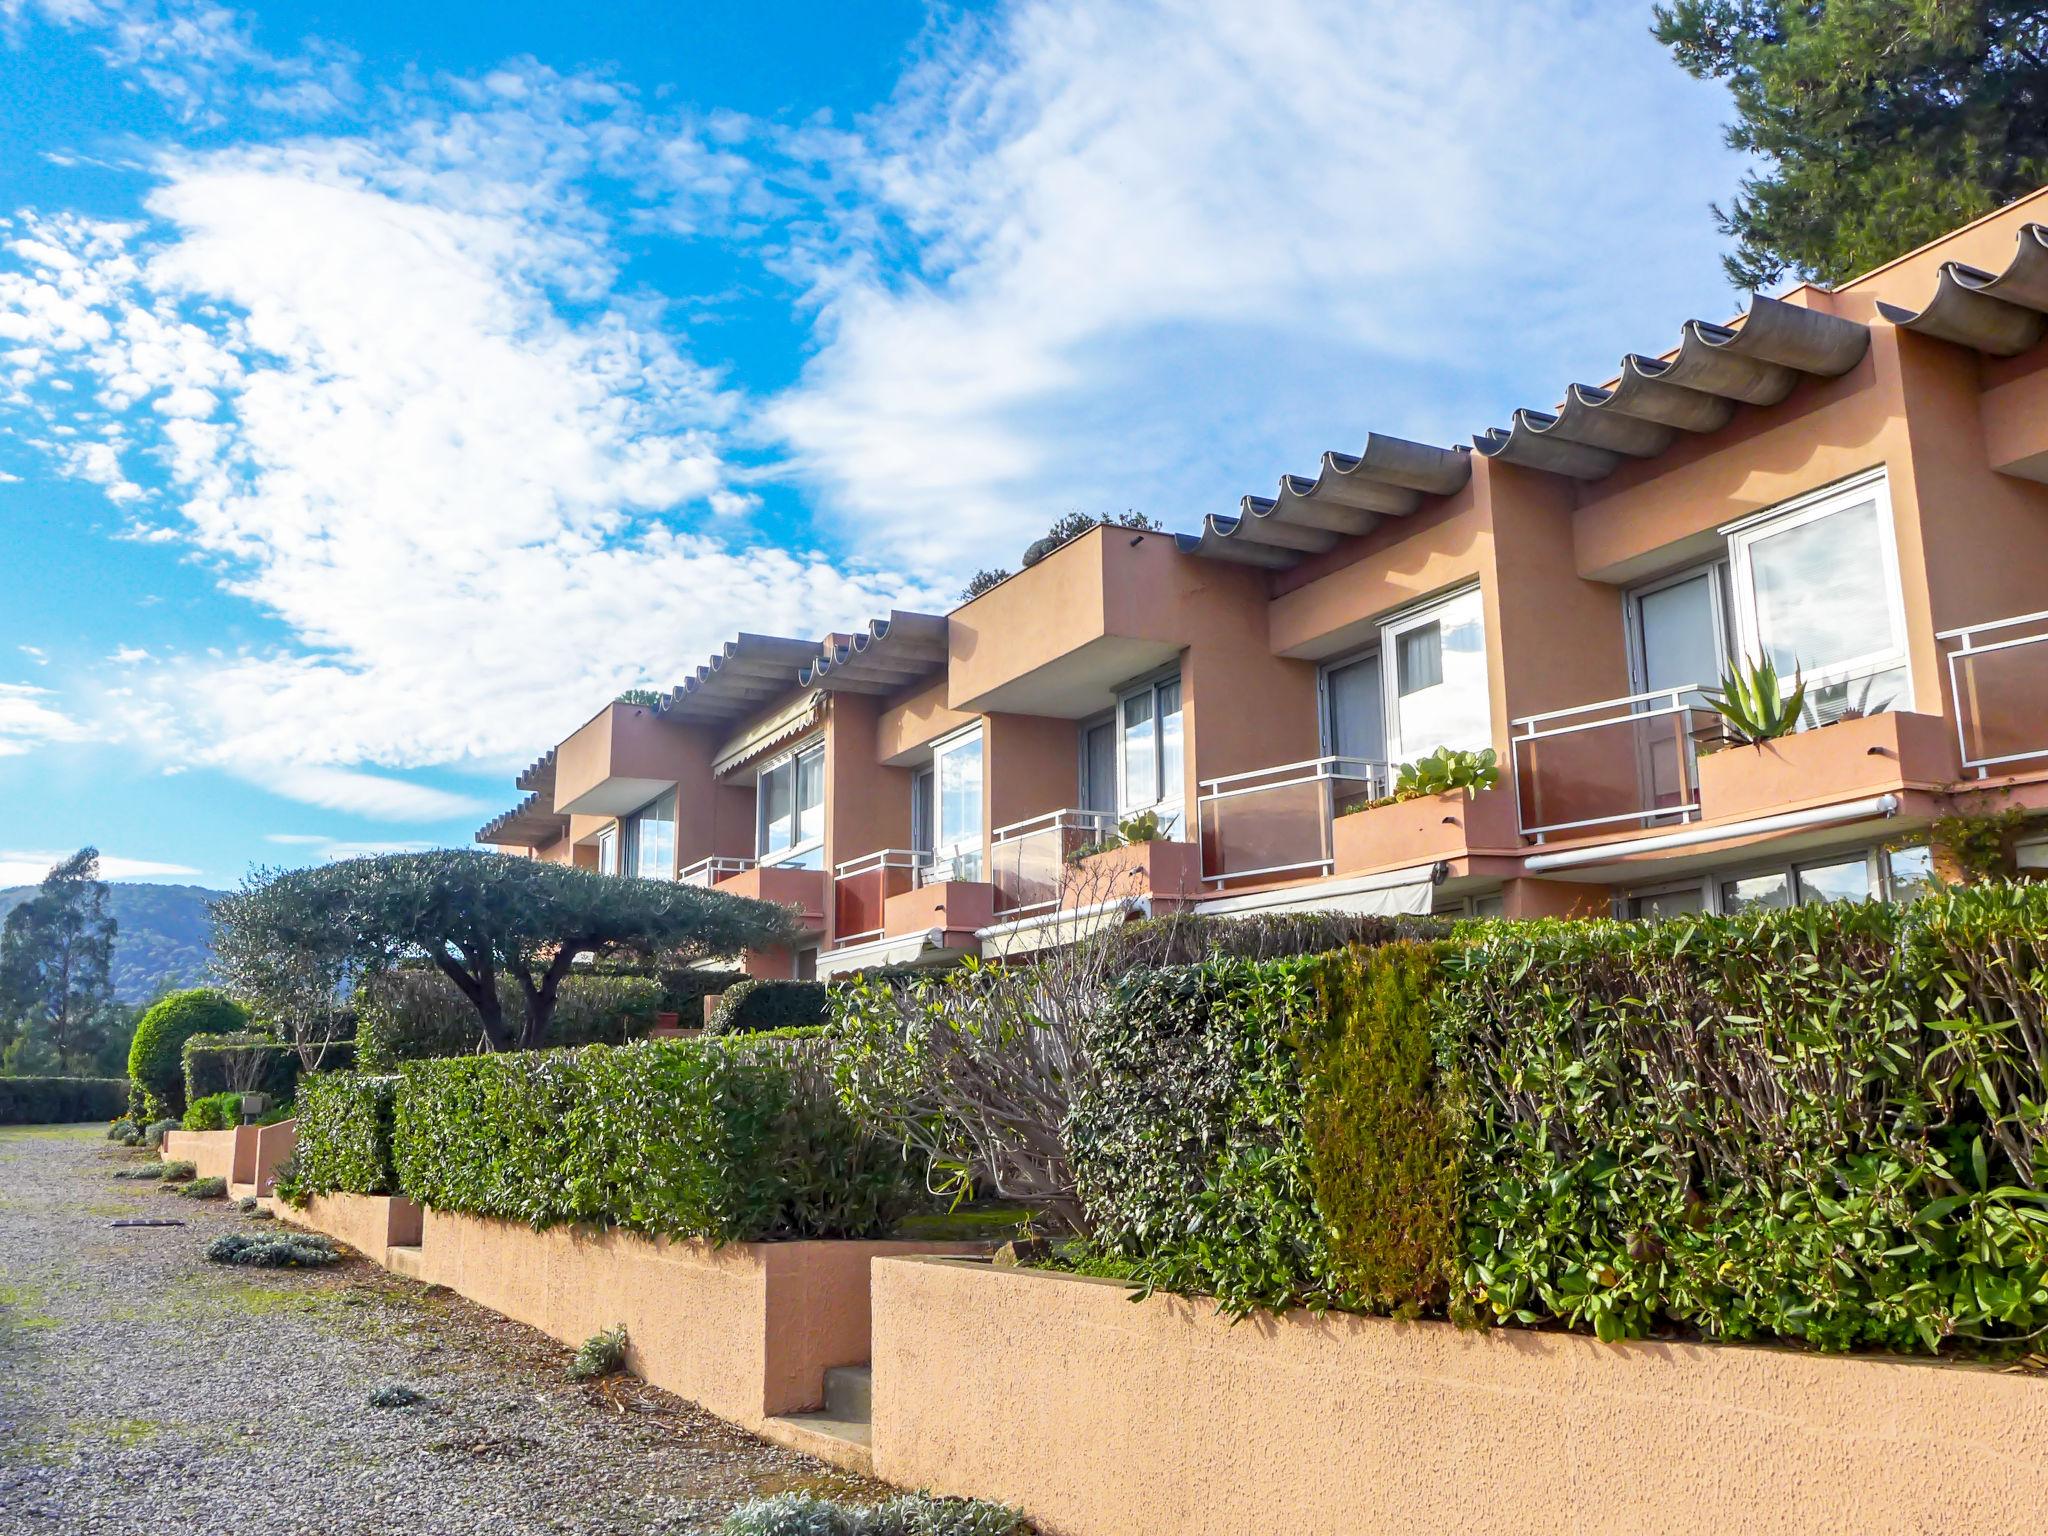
(1881, 123)
(56, 958)
(478, 916)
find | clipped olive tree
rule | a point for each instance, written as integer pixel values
(480, 917)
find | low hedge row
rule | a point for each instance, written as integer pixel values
(418, 1015)
(61, 1100)
(751, 1005)
(733, 1140)
(1823, 1124)
(345, 1123)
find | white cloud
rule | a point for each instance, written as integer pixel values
(35, 653)
(18, 867)
(28, 720)
(1104, 257)
(331, 848)
(129, 655)
(377, 796)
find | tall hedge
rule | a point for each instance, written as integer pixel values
(345, 1123)
(751, 1005)
(417, 1015)
(216, 1063)
(156, 1057)
(61, 1100)
(733, 1140)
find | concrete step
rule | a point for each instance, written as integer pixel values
(850, 1393)
(410, 1262)
(845, 1443)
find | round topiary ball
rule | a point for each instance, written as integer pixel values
(156, 1059)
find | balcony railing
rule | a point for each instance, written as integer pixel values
(1631, 759)
(708, 872)
(1998, 673)
(1278, 821)
(861, 888)
(1027, 860)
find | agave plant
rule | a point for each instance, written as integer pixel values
(1754, 706)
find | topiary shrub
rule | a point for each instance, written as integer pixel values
(153, 1134)
(205, 1189)
(215, 1112)
(752, 1005)
(156, 1057)
(419, 1015)
(249, 1062)
(60, 1100)
(123, 1130)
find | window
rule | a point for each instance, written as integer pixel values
(1098, 766)
(791, 801)
(1669, 903)
(1816, 589)
(1422, 658)
(1846, 880)
(1771, 890)
(1677, 633)
(608, 850)
(650, 840)
(1439, 696)
(1354, 716)
(1909, 872)
(956, 775)
(1151, 748)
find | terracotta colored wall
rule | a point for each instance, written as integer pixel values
(212, 1153)
(371, 1224)
(1036, 617)
(1099, 1417)
(917, 721)
(1030, 765)
(747, 1330)
(1333, 603)
(867, 804)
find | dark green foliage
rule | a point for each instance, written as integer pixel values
(247, 1062)
(205, 1189)
(1383, 1126)
(125, 1131)
(162, 940)
(153, 1134)
(1187, 1142)
(416, 1014)
(61, 1100)
(1882, 124)
(215, 1112)
(344, 1137)
(751, 1005)
(602, 1354)
(141, 1172)
(56, 950)
(734, 1140)
(272, 1250)
(1183, 940)
(156, 1058)
(394, 1394)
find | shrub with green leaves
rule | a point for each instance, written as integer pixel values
(248, 1062)
(344, 1128)
(272, 1250)
(154, 1133)
(215, 1112)
(602, 1354)
(177, 1170)
(419, 1015)
(61, 1100)
(733, 1140)
(752, 1005)
(156, 1057)
(205, 1189)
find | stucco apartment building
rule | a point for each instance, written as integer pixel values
(1853, 483)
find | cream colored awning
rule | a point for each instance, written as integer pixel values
(1048, 930)
(792, 720)
(1398, 893)
(925, 947)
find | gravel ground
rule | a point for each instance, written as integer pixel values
(144, 1389)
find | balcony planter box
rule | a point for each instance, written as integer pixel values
(1163, 870)
(1098, 1416)
(747, 1329)
(954, 907)
(1849, 760)
(373, 1225)
(803, 889)
(1422, 831)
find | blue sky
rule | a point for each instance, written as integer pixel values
(384, 387)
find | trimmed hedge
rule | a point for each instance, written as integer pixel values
(752, 1005)
(733, 1140)
(215, 1112)
(156, 1057)
(212, 1064)
(419, 1015)
(61, 1100)
(1824, 1124)
(344, 1137)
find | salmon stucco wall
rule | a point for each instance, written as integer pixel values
(1100, 1417)
(212, 1153)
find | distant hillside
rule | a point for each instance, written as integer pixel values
(165, 937)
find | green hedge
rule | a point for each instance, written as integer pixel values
(215, 1112)
(751, 1005)
(156, 1056)
(1823, 1124)
(61, 1100)
(419, 1015)
(345, 1122)
(215, 1063)
(734, 1140)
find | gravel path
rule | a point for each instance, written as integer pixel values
(143, 1389)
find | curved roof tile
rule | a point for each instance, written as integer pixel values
(2003, 313)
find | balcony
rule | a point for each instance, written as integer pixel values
(862, 887)
(1998, 673)
(1279, 823)
(707, 873)
(1620, 762)
(1028, 860)
(619, 760)
(782, 884)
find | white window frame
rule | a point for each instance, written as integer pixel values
(1083, 780)
(946, 857)
(1743, 535)
(1171, 800)
(1338, 664)
(1392, 627)
(632, 829)
(1716, 572)
(797, 851)
(609, 843)
(1876, 856)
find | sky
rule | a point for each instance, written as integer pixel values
(385, 387)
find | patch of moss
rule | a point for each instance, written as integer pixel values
(21, 1310)
(973, 1223)
(78, 1436)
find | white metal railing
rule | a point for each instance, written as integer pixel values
(874, 868)
(1277, 813)
(1027, 859)
(708, 872)
(1641, 749)
(2005, 696)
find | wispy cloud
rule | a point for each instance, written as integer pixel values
(28, 719)
(19, 867)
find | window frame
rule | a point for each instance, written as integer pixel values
(1170, 802)
(632, 829)
(945, 858)
(799, 849)
(1716, 571)
(1876, 858)
(1391, 627)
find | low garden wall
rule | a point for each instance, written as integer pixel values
(746, 1329)
(1098, 1416)
(212, 1153)
(373, 1225)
